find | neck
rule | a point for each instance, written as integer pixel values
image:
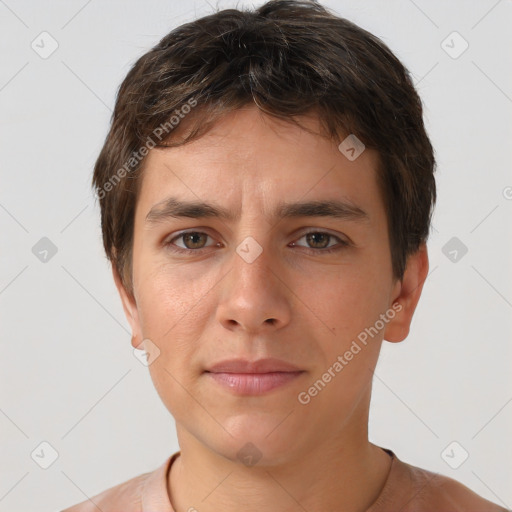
(342, 471)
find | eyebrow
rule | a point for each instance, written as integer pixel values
(174, 208)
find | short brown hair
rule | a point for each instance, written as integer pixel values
(289, 57)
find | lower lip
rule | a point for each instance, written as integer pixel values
(254, 383)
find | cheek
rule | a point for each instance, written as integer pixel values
(349, 305)
(169, 297)
(344, 299)
(176, 334)
(174, 311)
(350, 354)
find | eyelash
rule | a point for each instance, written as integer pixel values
(341, 243)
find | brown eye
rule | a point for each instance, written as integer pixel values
(318, 240)
(189, 241)
(194, 240)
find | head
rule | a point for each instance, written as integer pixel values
(243, 114)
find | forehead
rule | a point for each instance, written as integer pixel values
(249, 158)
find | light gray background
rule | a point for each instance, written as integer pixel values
(68, 375)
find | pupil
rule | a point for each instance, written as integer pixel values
(313, 238)
(192, 237)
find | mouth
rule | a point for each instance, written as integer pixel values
(268, 365)
(244, 377)
(253, 383)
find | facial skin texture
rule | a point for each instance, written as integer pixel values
(204, 307)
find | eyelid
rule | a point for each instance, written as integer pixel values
(180, 234)
(168, 242)
(322, 232)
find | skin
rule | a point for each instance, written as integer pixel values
(203, 307)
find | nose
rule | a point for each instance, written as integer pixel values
(255, 296)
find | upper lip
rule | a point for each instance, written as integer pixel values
(260, 366)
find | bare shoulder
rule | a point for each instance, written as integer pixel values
(125, 496)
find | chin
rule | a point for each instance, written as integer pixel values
(260, 438)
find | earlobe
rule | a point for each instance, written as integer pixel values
(129, 307)
(407, 295)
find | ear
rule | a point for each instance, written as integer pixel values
(130, 309)
(406, 295)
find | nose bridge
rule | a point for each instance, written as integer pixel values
(254, 296)
(254, 264)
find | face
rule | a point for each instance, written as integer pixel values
(300, 287)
